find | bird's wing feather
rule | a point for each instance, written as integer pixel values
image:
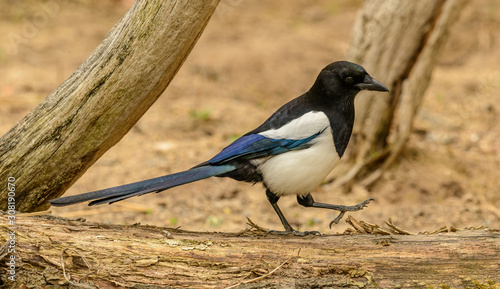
(256, 146)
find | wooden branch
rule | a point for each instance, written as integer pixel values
(52, 146)
(90, 254)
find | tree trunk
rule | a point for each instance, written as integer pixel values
(52, 146)
(73, 254)
(398, 42)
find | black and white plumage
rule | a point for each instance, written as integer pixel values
(290, 153)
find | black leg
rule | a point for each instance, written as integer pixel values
(308, 201)
(273, 199)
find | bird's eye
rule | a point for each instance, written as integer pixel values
(349, 79)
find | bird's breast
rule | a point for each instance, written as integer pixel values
(298, 172)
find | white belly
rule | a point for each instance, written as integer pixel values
(299, 172)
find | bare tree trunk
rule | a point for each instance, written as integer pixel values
(52, 146)
(74, 254)
(399, 42)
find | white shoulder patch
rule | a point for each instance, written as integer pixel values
(302, 127)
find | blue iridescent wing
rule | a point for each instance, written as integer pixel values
(256, 146)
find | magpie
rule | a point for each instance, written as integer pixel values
(290, 153)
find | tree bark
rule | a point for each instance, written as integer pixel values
(52, 146)
(398, 42)
(60, 252)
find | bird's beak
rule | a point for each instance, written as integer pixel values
(369, 83)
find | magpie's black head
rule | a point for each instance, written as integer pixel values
(344, 79)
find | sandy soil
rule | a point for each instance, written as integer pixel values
(253, 57)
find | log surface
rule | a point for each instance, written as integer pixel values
(111, 256)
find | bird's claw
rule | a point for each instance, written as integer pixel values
(357, 207)
(294, 232)
(363, 204)
(337, 220)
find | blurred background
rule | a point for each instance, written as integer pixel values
(253, 57)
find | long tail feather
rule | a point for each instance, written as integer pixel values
(159, 184)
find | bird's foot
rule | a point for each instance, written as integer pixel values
(354, 208)
(293, 232)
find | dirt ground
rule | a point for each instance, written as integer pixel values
(253, 57)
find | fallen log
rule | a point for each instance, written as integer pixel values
(53, 251)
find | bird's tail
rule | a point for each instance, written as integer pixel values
(159, 184)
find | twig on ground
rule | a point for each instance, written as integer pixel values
(443, 229)
(362, 227)
(254, 228)
(397, 229)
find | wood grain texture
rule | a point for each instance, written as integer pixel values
(116, 256)
(52, 146)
